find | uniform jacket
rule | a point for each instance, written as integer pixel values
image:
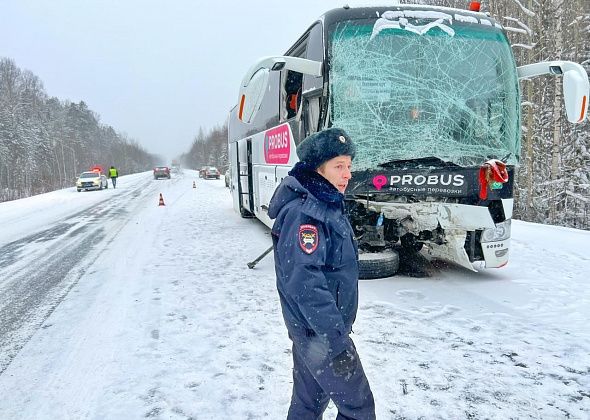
(316, 257)
(113, 173)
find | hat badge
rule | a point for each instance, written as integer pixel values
(342, 139)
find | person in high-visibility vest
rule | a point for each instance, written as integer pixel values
(113, 174)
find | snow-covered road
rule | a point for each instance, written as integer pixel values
(151, 312)
(39, 266)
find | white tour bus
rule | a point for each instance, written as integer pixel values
(430, 96)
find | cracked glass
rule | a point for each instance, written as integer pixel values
(420, 87)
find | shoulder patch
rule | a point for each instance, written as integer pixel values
(308, 238)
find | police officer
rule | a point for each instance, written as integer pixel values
(113, 174)
(317, 279)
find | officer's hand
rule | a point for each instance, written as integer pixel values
(345, 363)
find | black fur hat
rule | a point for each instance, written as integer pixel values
(325, 145)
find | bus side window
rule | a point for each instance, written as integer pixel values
(293, 84)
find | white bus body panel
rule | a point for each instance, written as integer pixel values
(267, 174)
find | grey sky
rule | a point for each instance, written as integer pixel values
(154, 70)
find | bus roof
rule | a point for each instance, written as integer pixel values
(365, 12)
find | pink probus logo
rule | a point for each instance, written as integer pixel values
(277, 145)
(379, 181)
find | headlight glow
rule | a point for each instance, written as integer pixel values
(500, 233)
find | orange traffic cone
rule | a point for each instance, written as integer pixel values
(161, 203)
(194, 184)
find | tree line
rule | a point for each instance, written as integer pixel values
(552, 183)
(553, 180)
(209, 148)
(45, 142)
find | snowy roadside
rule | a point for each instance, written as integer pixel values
(21, 217)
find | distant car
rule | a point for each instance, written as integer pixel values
(227, 178)
(211, 172)
(202, 172)
(91, 180)
(161, 172)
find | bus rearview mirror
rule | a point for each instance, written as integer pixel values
(576, 89)
(575, 95)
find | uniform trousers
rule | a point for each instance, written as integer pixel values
(315, 383)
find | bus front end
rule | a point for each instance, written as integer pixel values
(431, 98)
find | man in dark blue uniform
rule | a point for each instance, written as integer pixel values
(316, 262)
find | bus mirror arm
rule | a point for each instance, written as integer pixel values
(300, 65)
(255, 82)
(575, 85)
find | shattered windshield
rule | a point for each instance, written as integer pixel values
(407, 87)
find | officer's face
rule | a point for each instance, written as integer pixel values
(337, 171)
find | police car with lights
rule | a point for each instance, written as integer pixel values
(91, 180)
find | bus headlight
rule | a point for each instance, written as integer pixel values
(499, 233)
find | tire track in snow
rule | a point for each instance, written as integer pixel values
(34, 294)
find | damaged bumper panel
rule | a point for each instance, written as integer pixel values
(456, 220)
(453, 249)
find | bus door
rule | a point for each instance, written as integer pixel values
(313, 100)
(244, 181)
(292, 89)
(302, 94)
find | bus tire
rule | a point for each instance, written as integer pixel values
(377, 265)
